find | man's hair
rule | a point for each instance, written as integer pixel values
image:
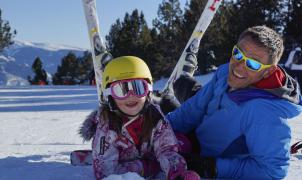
(266, 37)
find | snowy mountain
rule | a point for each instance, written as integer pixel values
(16, 60)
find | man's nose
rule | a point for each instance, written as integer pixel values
(240, 65)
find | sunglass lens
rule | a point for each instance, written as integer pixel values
(237, 54)
(254, 65)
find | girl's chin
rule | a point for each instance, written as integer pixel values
(131, 112)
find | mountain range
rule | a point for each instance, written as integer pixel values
(16, 60)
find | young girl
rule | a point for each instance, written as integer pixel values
(131, 134)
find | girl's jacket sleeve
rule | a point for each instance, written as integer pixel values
(104, 154)
(166, 150)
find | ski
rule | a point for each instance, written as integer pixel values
(189, 55)
(100, 57)
(296, 147)
(99, 53)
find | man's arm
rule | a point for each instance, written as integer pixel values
(267, 136)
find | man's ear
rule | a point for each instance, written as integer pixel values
(269, 71)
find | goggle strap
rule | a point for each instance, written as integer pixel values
(150, 87)
(107, 92)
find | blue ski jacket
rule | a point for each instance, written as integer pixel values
(246, 130)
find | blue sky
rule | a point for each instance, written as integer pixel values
(63, 21)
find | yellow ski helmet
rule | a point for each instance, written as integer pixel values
(125, 67)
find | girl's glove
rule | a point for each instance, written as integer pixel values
(180, 172)
(177, 168)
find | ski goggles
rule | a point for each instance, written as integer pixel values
(124, 88)
(250, 63)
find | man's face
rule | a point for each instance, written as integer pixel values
(239, 75)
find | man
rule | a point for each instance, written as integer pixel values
(240, 117)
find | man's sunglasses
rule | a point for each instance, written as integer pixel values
(250, 63)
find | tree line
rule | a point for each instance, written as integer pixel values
(162, 44)
(73, 70)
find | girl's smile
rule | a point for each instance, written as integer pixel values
(131, 105)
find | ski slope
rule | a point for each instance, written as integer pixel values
(38, 130)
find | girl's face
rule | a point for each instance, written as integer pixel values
(132, 105)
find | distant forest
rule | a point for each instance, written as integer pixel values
(162, 44)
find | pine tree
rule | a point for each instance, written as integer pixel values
(258, 12)
(6, 35)
(130, 36)
(293, 26)
(168, 42)
(40, 77)
(133, 37)
(85, 67)
(67, 72)
(236, 16)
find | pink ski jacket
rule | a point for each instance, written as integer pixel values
(119, 153)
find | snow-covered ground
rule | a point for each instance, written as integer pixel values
(38, 130)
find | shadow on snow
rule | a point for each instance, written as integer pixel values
(47, 98)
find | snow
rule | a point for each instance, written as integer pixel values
(202, 79)
(39, 127)
(45, 46)
(3, 58)
(124, 177)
